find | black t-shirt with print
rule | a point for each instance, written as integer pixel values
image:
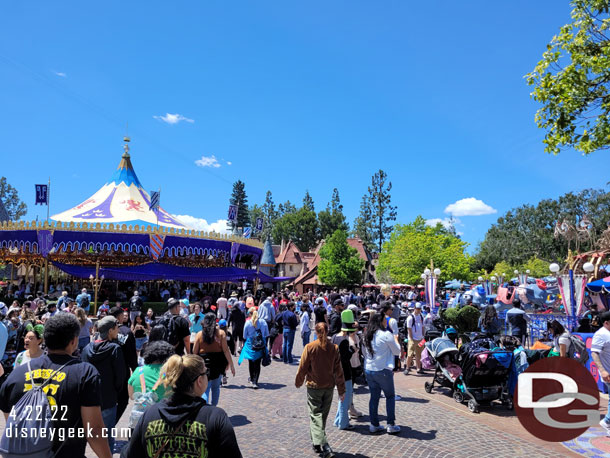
(78, 384)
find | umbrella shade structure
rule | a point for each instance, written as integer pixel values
(599, 286)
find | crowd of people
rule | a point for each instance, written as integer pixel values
(173, 366)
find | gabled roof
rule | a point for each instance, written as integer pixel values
(358, 244)
(290, 255)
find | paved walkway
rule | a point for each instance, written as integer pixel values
(273, 422)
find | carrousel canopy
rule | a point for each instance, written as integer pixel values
(120, 200)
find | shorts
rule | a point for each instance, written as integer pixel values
(414, 348)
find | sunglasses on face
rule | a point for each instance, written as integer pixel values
(206, 372)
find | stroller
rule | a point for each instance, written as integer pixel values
(484, 377)
(444, 355)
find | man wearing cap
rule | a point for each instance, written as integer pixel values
(334, 326)
(107, 357)
(290, 323)
(600, 352)
(136, 304)
(415, 331)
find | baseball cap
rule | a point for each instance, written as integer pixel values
(418, 305)
(172, 302)
(222, 323)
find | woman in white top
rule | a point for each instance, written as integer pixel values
(380, 349)
(561, 338)
(32, 343)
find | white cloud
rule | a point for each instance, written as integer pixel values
(201, 224)
(469, 207)
(173, 118)
(206, 161)
(62, 74)
(229, 163)
(446, 222)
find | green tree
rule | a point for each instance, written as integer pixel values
(10, 198)
(411, 247)
(239, 198)
(572, 82)
(270, 216)
(527, 232)
(300, 226)
(340, 266)
(382, 211)
(363, 224)
(332, 218)
(285, 208)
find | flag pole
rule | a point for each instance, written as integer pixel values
(157, 212)
(48, 199)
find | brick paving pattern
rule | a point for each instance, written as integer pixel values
(273, 422)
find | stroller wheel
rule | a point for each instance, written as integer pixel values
(428, 387)
(508, 404)
(473, 406)
(458, 397)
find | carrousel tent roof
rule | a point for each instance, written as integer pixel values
(121, 200)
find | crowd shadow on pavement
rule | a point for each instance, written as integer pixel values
(414, 400)
(239, 420)
(349, 455)
(271, 386)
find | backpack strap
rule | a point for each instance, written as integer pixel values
(31, 372)
(142, 381)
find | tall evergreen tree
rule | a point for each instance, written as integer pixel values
(332, 219)
(286, 208)
(382, 211)
(308, 202)
(300, 226)
(270, 215)
(363, 224)
(239, 198)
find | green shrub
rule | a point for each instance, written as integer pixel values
(468, 319)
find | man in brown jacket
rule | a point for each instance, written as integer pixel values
(321, 364)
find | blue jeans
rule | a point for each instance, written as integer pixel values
(109, 417)
(342, 417)
(381, 381)
(607, 417)
(305, 336)
(287, 345)
(214, 387)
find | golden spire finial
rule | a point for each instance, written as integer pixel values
(126, 139)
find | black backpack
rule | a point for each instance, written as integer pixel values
(258, 343)
(84, 303)
(169, 323)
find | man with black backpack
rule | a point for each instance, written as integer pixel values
(74, 389)
(177, 327)
(84, 300)
(136, 304)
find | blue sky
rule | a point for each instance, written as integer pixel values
(286, 96)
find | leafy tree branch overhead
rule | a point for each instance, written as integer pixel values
(572, 82)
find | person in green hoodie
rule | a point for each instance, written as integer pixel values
(183, 424)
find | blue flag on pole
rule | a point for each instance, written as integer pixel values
(42, 194)
(247, 232)
(232, 213)
(259, 224)
(155, 199)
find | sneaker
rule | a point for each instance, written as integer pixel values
(348, 427)
(327, 452)
(255, 386)
(355, 414)
(397, 398)
(406, 371)
(420, 371)
(375, 429)
(317, 449)
(225, 380)
(393, 429)
(606, 425)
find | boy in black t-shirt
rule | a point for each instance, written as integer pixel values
(75, 390)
